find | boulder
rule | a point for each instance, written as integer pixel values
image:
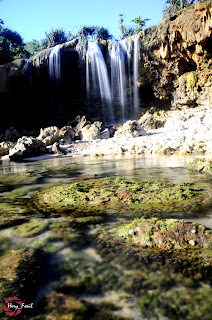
(130, 129)
(27, 147)
(49, 135)
(148, 121)
(78, 123)
(90, 132)
(66, 134)
(5, 147)
(105, 134)
(56, 148)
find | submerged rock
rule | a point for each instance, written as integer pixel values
(165, 234)
(201, 165)
(140, 198)
(27, 147)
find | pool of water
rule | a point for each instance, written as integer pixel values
(80, 268)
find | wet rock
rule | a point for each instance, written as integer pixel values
(165, 234)
(27, 147)
(49, 135)
(141, 198)
(22, 272)
(32, 228)
(130, 129)
(201, 165)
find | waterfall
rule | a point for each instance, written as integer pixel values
(118, 77)
(99, 80)
(55, 63)
(135, 76)
(28, 71)
(127, 48)
(121, 95)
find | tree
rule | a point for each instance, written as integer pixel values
(173, 6)
(102, 33)
(34, 46)
(126, 31)
(11, 45)
(94, 32)
(86, 32)
(140, 24)
(55, 37)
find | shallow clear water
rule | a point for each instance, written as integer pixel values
(97, 277)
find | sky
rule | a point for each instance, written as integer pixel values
(32, 18)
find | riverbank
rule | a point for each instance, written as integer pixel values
(184, 132)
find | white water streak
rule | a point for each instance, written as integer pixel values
(55, 63)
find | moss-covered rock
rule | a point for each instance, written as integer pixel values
(32, 228)
(106, 195)
(173, 245)
(21, 274)
(201, 165)
(9, 182)
(165, 234)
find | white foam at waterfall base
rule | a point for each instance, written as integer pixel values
(55, 63)
(99, 80)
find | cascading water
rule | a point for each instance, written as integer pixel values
(126, 46)
(99, 80)
(28, 71)
(118, 77)
(135, 76)
(55, 63)
(118, 98)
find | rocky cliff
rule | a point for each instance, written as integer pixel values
(176, 57)
(175, 69)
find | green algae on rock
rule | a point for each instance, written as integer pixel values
(9, 182)
(105, 195)
(173, 245)
(165, 234)
(32, 228)
(201, 165)
(21, 274)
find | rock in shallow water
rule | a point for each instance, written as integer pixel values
(27, 147)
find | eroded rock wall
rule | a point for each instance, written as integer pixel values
(176, 57)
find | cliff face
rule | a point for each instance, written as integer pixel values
(30, 100)
(176, 57)
(175, 69)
